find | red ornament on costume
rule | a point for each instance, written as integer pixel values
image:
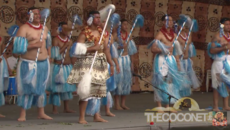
(166, 34)
(124, 38)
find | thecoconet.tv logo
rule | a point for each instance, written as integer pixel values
(186, 103)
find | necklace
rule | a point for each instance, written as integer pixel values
(166, 34)
(184, 38)
(61, 39)
(124, 38)
(38, 27)
(90, 37)
(226, 38)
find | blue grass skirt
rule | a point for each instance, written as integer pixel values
(4, 76)
(61, 88)
(2, 99)
(124, 78)
(93, 106)
(110, 83)
(166, 77)
(43, 68)
(108, 100)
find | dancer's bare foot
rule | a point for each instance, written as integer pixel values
(216, 109)
(2, 116)
(82, 122)
(125, 107)
(226, 108)
(118, 108)
(22, 115)
(22, 119)
(99, 119)
(55, 109)
(69, 111)
(110, 114)
(45, 117)
(55, 112)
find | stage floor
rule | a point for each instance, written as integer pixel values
(133, 119)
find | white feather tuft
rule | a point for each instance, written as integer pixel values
(81, 49)
(84, 85)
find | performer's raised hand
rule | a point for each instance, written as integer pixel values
(38, 44)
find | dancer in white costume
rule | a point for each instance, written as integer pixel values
(165, 66)
(186, 65)
(217, 50)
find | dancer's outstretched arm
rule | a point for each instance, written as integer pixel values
(214, 49)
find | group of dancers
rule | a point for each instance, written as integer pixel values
(44, 62)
